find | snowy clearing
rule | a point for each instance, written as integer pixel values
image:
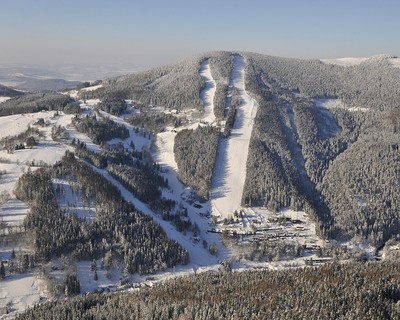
(15, 124)
(2, 99)
(13, 212)
(70, 198)
(230, 167)
(337, 103)
(329, 103)
(92, 88)
(46, 151)
(20, 291)
(345, 62)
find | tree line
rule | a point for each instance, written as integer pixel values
(334, 291)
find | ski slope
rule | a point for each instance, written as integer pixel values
(197, 255)
(230, 167)
(208, 92)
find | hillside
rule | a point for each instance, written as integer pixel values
(236, 158)
(312, 116)
(8, 92)
(292, 294)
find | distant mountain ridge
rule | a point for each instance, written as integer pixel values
(40, 85)
(9, 92)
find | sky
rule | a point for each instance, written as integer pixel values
(155, 32)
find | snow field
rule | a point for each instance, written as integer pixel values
(15, 164)
(13, 212)
(20, 291)
(353, 61)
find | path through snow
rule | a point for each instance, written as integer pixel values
(230, 167)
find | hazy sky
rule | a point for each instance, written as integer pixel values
(154, 32)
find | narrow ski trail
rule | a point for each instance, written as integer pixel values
(208, 92)
(230, 167)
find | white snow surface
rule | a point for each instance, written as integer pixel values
(47, 150)
(337, 103)
(2, 99)
(329, 103)
(92, 88)
(208, 92)
(70, 199)
(353, 61)
(395, 62)
(15, 124)
(13, 212)
(21, 290)
(230, 167)
(345, 62)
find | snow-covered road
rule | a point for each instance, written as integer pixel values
(230, 167)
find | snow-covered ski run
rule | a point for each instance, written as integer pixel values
(230, 167)
(208, 92)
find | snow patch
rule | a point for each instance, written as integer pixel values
(345, 62)
(46, 152)
(19, 291)
(358, 109)
(92, 88)
(395, 62)
(329, 103)
(337, 103)
(3, 99)
(13, 212)
(72, 200)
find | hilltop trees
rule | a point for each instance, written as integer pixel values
(195, 153)
(174, 87)
(368, 290)
(34, 102)
(100, 130)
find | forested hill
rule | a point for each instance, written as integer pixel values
(175, 86)
(226, 160)
(338, 291)
(337, 157)
(8, 92)
(325, 137)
